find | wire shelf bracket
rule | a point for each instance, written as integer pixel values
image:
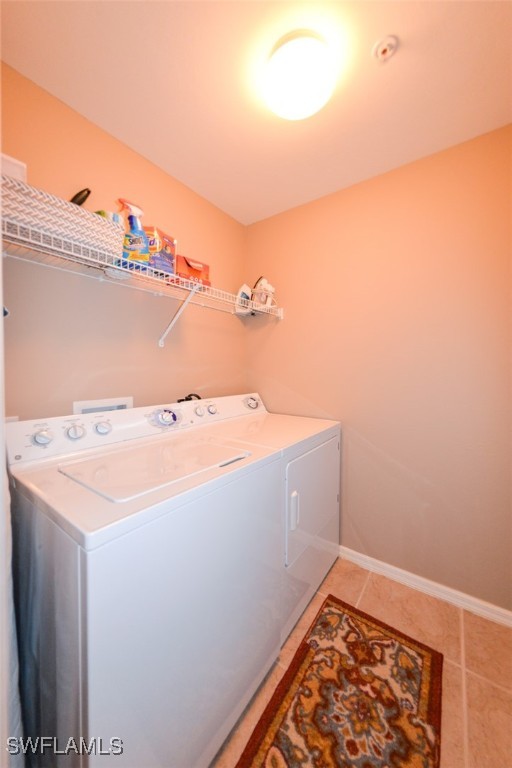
(177, 314)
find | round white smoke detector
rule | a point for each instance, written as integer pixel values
(385, 48)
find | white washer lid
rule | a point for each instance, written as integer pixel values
(128, 474)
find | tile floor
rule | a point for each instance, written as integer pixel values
(477, 671)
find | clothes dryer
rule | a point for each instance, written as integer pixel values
(310, 496)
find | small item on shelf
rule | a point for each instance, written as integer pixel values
(80, 197)
(243, 298)
(193, 270)
(263, 292)
(116, 218)
(135, 245)
(162, 249)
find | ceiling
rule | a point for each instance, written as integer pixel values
(175, 81)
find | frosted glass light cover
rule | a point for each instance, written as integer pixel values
(300, 76)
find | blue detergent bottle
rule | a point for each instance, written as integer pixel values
(135, 244)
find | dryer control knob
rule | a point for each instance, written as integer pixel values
(212, 409)
(199, 410)
(75, 432)
(252, 402)
(166, 417)
(103, 427)
(42, 437)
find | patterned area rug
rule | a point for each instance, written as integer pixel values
(358, 694)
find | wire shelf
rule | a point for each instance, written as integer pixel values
(28, 243)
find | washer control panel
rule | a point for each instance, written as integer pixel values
(65, 435)
(166, 417)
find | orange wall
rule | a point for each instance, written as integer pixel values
(69, 338)
(397, 322)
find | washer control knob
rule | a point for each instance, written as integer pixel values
(199, 410)
(252, 402)
(166, 417)
(75, 432)
(42, 437)
(212, 409)
(103, 428)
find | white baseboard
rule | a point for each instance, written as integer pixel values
(460, 599)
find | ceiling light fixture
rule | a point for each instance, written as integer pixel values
(300, 75)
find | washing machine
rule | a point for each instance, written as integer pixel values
(147, 572)
(160, 556)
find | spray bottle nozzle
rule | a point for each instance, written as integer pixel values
(133, 210)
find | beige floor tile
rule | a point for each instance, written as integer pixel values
(488, 649)
(452, 718)
(345, 580)
(488, 657)
(489, 724)
(240, 735)
(425, 618)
